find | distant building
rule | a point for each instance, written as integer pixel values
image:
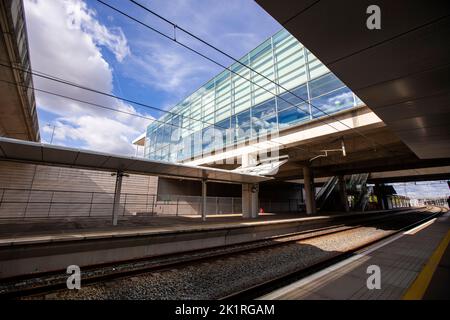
(18, 117)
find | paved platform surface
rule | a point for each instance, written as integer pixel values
(406, 265)
(47, 230)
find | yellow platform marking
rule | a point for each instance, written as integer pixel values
(420, 285)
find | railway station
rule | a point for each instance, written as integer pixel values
(286, 176)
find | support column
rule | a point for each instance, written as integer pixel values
(255, 203)
(250, 200)
(343, 193)
(309, 190)
(117, 191)
(204, 190)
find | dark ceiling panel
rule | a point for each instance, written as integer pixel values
(432, 104)
(280, 14)
(408, 54)
(341, 25)
(403, 67)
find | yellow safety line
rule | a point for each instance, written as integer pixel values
(420, 285)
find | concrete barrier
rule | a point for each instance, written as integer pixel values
(44, 254)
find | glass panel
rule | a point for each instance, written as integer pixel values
(262, 62)
(291, 69)
(294, 97)
(332, 102)
(243, 125)
(292, 115)
(264, 117)
(223, 97)
(240, 86)
(324, 85)
(359, 102)
(207, 139)
(196, 143)
(264, 110)
(196, 115)
(166, 153)
(316, 68)
(281, 37)
(223, 126)
(185, 152)
(185, 120)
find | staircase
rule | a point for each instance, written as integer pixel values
(328, 195)
(326, 191)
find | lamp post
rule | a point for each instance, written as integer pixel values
(53, 131)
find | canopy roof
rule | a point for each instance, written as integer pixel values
(39, 153)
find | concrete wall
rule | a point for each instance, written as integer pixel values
(32, 191)
(28, 190)
(168, 186)
(280, 197)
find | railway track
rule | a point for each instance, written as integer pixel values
(54, 282)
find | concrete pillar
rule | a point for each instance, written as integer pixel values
(343, 193)
(250, 200)
(310, 196)
(117, 191)
(204, 190)
(255, 200)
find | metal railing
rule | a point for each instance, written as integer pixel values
(27, 203)
(36, 203)
(186, 205)
(32, 203)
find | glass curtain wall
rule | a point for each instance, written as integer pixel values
(244, 104)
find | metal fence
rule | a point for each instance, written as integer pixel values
(28, 203)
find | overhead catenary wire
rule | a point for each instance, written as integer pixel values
(43, 75)
(101, 106)
(81, 101)
(66, 82)
(79, 86)
(239, 62)
(194, 119)
(213, 61)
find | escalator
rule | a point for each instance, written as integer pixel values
(325, 192)
(328, 198)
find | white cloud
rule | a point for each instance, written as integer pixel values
(80, 17)
(65, 39)
(168, 68)
(233, 25)
(421, 190)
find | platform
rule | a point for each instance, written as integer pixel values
(29, 247)
(414, 265)
(47, 230)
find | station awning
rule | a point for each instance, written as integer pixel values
(39, 153)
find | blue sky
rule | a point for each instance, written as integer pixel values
(85, 42)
